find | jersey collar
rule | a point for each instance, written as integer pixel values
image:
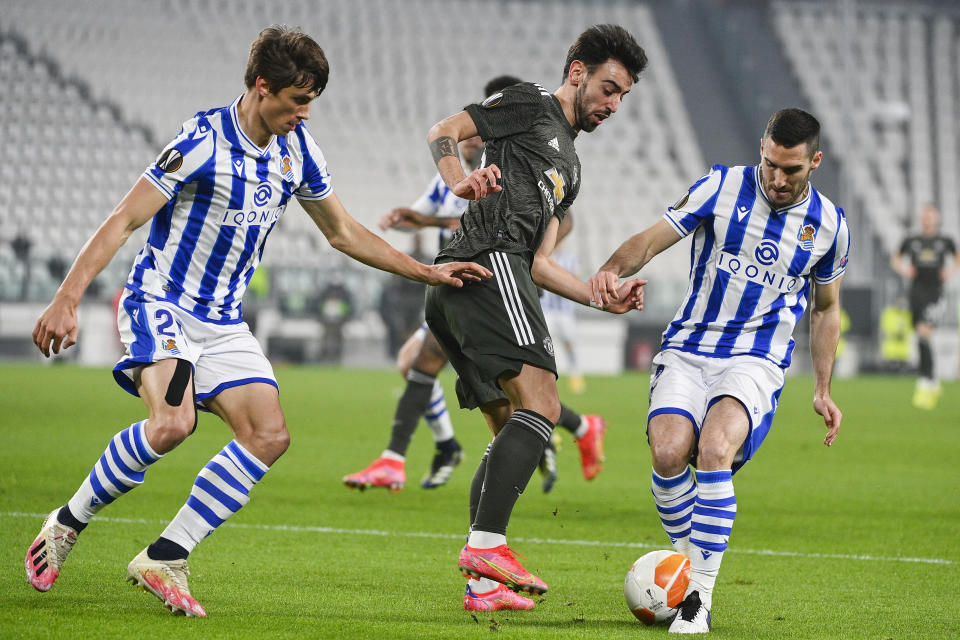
(248, 144)
(773, 208)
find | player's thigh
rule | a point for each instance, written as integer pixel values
(725, 429)
(534, 389)
(410, 348)
(430, 357)
(166, 388)
(755, 385)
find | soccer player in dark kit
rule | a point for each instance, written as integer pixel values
(496, 336)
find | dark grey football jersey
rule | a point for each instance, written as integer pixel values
(528, 137)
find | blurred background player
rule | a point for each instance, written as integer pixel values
(561, 317)
(494, 333)
(765, 242)
(922, 261)
(213, 196)
(421, 359)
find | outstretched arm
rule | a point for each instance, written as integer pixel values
(548, 274)
(443, 138)
(349, 236)
(57, 326)
(408, 219)
(629, 258)
(824, 336)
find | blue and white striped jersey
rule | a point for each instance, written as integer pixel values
(225, 196)
(438, 200)
(750, 265)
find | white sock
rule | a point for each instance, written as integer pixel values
(486, 540)
(119, 469)
(437, 416)
(582, 429)
(711, 524)
(392, 455)
(482, 585)
(675, 499)
(221, 489)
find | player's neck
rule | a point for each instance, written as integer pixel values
(566, 96)
(249, 118)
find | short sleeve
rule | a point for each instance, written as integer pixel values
(508, 112)
(697, 204)
(834, 263)
(429, 201)
(180, 161)
(316, 183)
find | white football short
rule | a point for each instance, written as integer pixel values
(688, 384)
(222, 356)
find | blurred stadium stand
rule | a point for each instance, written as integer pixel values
(95, 89)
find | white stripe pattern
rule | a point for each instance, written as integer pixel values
(511, 298)
(534, 423)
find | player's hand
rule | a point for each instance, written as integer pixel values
(454, 273)
(825, 406)
(629, 297)
(604, 289)
(479, 183)
(56, 328)
(401, 218)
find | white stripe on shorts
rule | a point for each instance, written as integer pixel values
(511, 298)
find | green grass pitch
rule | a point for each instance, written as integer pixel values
(861, 540)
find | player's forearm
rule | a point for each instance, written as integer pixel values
(94, 257)
(629, 258)
(824, 337)
(442, 140)
(554, 278)
(358, 242)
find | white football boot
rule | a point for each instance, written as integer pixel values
(692, 616)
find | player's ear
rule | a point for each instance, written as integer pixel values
(262, 87)
(817, 157)
(577, 72)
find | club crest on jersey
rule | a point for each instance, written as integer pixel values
(170, 345)
(287, 169)
(806, 236)
(492, 101)
(170, 160)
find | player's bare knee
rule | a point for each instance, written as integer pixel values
(670, 457)
(714, 456)
(272, 439)
(170, 427)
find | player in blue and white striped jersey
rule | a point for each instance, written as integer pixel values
(213, 195)
(764, 243)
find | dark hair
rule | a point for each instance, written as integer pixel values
(601, 42)
(286, 57)
(499, 84)
(790, 127)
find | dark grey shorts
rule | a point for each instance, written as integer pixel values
(490, 328)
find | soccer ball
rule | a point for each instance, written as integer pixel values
(655, 585)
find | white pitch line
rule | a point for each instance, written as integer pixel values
(454, 536)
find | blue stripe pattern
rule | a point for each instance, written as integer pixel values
(675, 498)
(121, 467)
(223, 486)
(714, 511)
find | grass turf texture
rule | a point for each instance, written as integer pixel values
(887, 489)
